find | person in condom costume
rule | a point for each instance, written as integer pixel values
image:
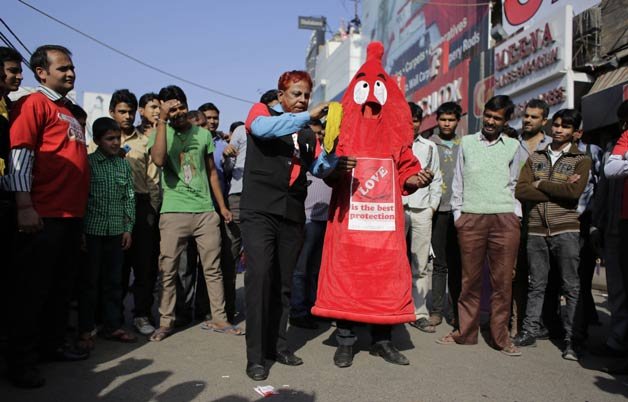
(365, 275)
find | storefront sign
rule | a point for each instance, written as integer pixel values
(535, 55)
(558, 93)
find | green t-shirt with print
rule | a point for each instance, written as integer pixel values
(184, 176)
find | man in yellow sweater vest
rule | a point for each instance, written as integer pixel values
(484, 206)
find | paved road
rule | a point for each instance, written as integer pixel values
(196, 365)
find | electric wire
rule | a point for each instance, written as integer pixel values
(7, 41)
(135, 59)
(15, 36)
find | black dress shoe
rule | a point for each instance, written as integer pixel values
(389, 352)
(27, 378)
(256, 372)
(306, 322)
(524, 338)
(288, 358)
(66, 353)
(343, 356)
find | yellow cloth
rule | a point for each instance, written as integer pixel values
(4, 111)
(332, 126)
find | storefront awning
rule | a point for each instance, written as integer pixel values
(599, 105)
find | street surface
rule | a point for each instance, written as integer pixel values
(196, 365)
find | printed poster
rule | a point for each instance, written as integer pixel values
(372, 203)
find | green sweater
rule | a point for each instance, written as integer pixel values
(486, 175)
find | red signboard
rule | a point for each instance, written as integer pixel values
(450, 87)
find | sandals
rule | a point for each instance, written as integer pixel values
(447, 339)
(85, 341)
(227, 329)
(511, 350)
(423, 324)
(120, 335)
(160, 334)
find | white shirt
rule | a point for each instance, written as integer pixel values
(555, 155)
(426, 197)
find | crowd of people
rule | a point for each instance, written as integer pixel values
(175, 207)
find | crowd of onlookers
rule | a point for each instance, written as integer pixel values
(524, 217)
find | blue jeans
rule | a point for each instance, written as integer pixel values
(305, 274)
(101, 277)
(565, 250)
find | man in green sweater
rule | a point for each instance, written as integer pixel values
(484, 205)
(552, 181)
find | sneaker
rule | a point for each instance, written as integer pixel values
(569, 353)
(524, 338)
(143, 325)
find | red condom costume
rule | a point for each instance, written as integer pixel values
(365, 275)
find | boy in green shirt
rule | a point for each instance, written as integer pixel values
(185, 153)
(108, 224)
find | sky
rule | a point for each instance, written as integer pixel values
(236, 47)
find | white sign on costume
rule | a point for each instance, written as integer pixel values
(372, 203)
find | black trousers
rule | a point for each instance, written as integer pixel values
(586, 312)
(271, 248)
(7, 232)
(346, 337)
(623, 257)
(43, 275)
(230, 254)
(142, 258)
(447, 268)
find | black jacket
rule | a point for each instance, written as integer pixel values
(266, 183)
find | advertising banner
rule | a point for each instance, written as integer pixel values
(452, 86)
(424, 42)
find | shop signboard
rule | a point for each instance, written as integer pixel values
(558, 93)
(537, 54)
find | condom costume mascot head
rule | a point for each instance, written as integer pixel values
(365, 275)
